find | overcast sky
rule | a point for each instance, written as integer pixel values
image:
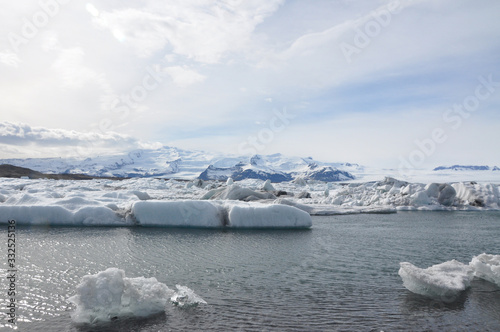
(381, 83)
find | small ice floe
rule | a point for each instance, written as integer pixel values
(487, 267)
(444, 282)
(186, 297)
(109, 295)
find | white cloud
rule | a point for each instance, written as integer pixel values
(200, 30)
(44, 142)
(74, 74)
(10, 59)
(231, 57)
(183, 76)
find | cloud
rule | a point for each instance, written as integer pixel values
(74, 74)
(200, 30)
(209, 73)
(60, 142)
(10, 59)
(183, 76)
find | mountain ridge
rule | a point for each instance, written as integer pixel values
(171, 162)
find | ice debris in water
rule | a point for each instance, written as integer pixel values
(186, 297)
(487, 267)
(443, 281)
(108, 295)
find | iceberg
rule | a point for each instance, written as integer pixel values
(444, 282)
(109, 295)
(159, 202)
(216, 214)
(249, 215)
(177, 214)
(487, 267)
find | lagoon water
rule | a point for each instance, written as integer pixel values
(340, 275)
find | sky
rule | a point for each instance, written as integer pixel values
(408, 84)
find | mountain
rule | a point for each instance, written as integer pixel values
(171, 162)
(466, 168)
(276, 168)
(243, 171)
(325, 173)
(10, 171)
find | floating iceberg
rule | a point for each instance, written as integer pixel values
(108, 295)
(487, 267)
(443, 281)
(248, 215)
(177, 214)
(215, 214)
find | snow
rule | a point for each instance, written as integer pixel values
(443, 281)
(487, 267)
(109, 294)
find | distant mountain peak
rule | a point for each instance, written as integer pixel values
(466, 168)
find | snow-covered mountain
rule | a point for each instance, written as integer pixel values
(171, 162)
(466, 168)
(260, 168)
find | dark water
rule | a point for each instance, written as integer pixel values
(341, 275)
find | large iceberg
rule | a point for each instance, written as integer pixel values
(109, 295)
(215, 214)
(442, 282)
(177, 213)
(248, 215)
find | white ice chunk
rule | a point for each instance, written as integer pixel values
(432, 190)
(481, 195)
(36, 215)
(268, 186)
(446, 195)
(109, 294)
(186, 297)
(235, 192)
(143, 196)
(177, 213)
(246, 215)
(443, 281)
(420, 198)
(487, 267)
(57, 215)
